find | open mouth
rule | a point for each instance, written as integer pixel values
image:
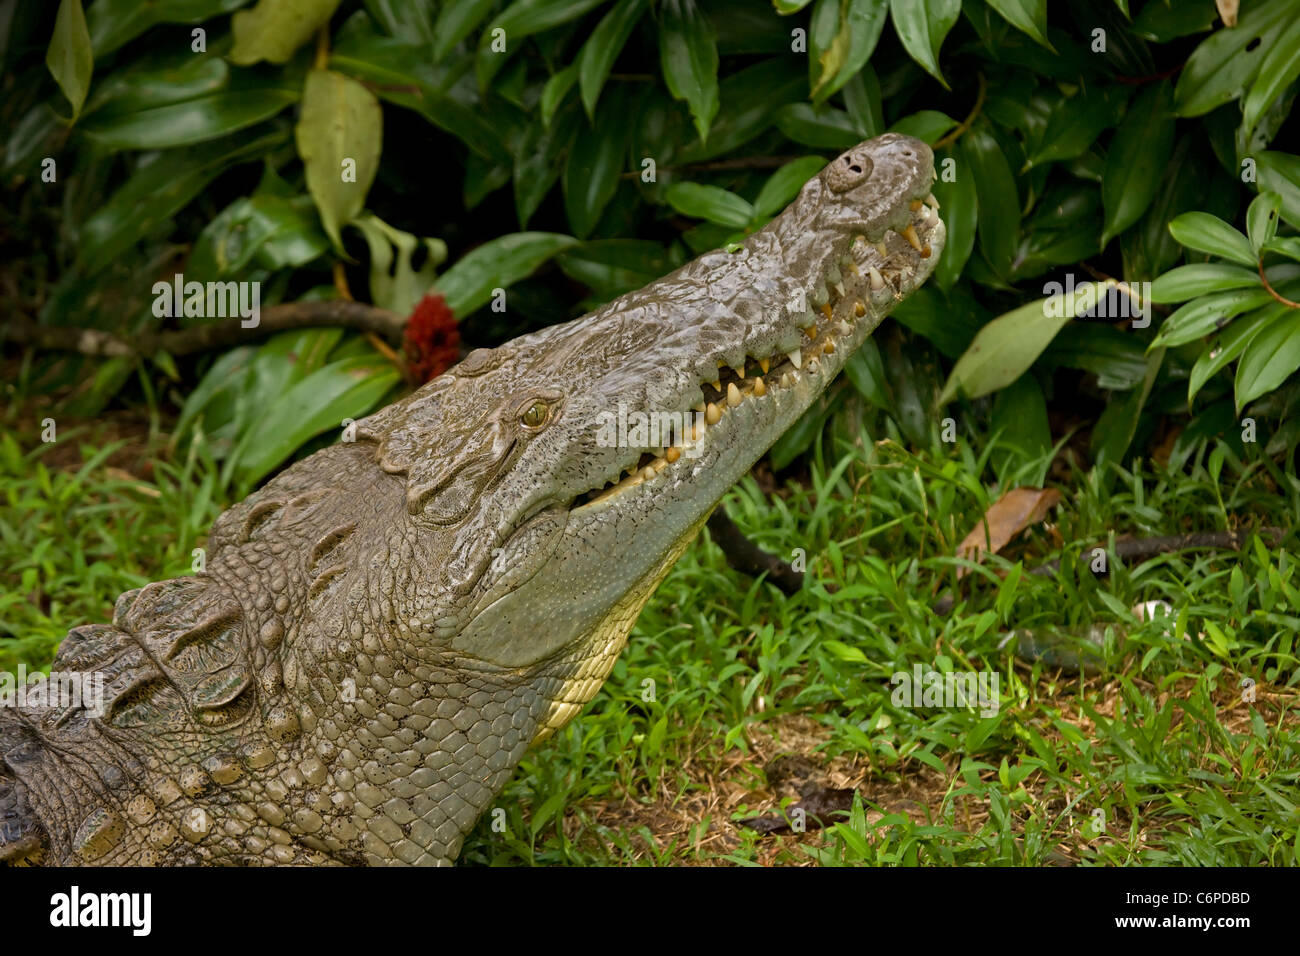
(873, 270)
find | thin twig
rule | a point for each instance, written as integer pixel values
(1271, 291)
(201, 338)
(970, 118)
(748, 558)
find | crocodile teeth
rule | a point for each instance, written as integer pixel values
(910, 235)
(828, 347)
(760, 389)
(914, 205)
(882, 249)
(859, 309)
(853, 267)
(877, 280)
(813, 366)
(786, 380)
(807, 320)
(733, 395)
(672, 454)
(839, 290)
(796, 358)
(713, 414)
(844, 328)
(739, 370)
(647, 473)
(931, 201)
(826, 311)
(716, 384)
(925, 251)
(763, 364)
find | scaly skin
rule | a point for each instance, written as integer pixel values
(382, 630)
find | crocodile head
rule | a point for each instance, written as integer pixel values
(557, 512)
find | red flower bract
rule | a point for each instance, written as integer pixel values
(431, 340)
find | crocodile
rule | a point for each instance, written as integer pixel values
(378, 634)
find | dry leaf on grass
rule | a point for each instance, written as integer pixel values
(1006, 518)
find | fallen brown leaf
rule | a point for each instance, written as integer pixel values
(1007, 517)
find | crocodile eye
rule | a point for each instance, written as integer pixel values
(535, 415)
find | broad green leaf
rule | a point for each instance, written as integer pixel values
(751, 99)
(274, 29)
(339, 136)
(1118, 423)
(1280, 173)
(456, 21)
(468, 284)
(1161, 23)
(928, 126)
(1271, 357)
(1136, 160)
(113, 23)
(501, 38)
(348, 388)
(1006, 348)
(999, 203)
(859, 32)
(1027, 16)
(922, 25)
(1207, 314)
(161, 184)
(395, 284)
(711, 203)
(1225, 64)
(193, 121)
(614, 266)
(1187, 282)
(603, 47)
(787, 7)
(539, 161)
(1074, 125)
(69, 56)
(784, 184)
(242, 231)
(404, 19)
(1280, 67)
(825, 128)
(595, 162)
(1206, 233)
(688, 56)
(866, 372)
(1019, 416)
(556, 89)
(228, 370)
(959, 210)
(1225, 350)
(1288, 246)
(1261, 219)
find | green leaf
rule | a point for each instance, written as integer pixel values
(468, 284)
(522, 19)
(1161, 23)
(603, 47)
(959, 210)
(866, 372)
(1280, 173)
(1229, 346)
(825, 128)
(456, 21)
(1289, 247)
(1206, 233)
(614, 266)
(1119, 421)
(1207, 314)
(1261, 219)
(1074, 125)
(711, 203)
(1280, 67)
(1272, 355)
(688, 56)
(751, 99)
(1027, 16)
(242, 232)
(922, 25)
(69, 56)
(348, 388)
(595, 163)
(274, 29)
(1136, 160)
(194, 121)
(999, 203)
(556, 89)
(1223, 66)
(928, 125)
(398, 286)
(161, 184)
(539, 161)
(1005, 348)
(339, 136)
(784, 184)
(113, 23)
(859, 32)
(1187, 282)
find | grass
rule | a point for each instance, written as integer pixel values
(732, 700)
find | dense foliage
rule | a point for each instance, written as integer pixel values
(569, 150)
